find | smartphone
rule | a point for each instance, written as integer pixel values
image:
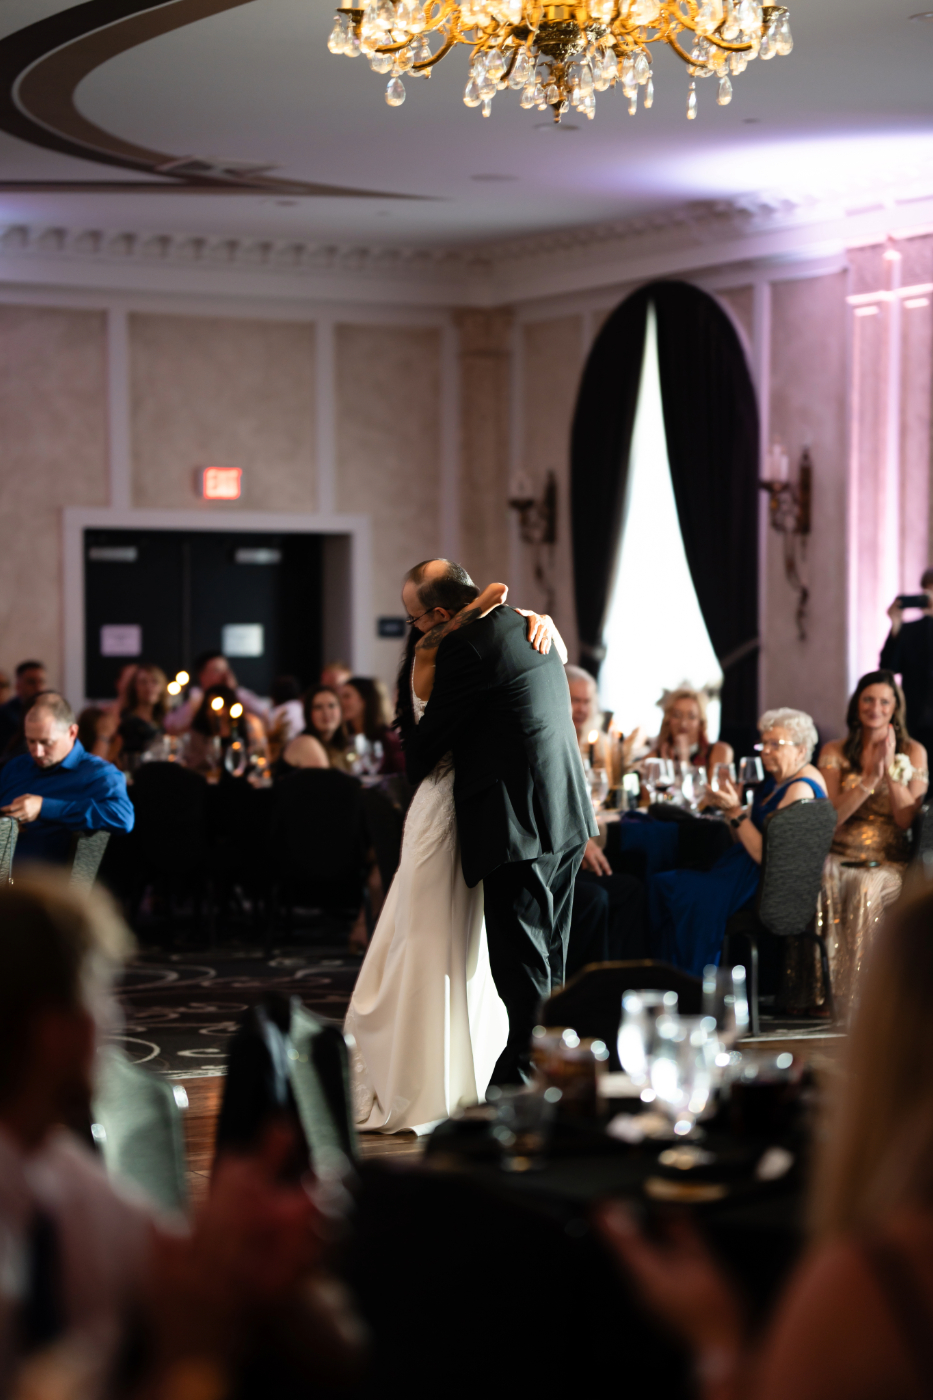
(914, 600)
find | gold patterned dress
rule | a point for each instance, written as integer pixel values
(855, 893)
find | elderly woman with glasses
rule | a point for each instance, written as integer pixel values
(690, 908)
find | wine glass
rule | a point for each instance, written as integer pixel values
(665, 778)
(751, 772)
(650, 775)
(725, 998)
(682, 1068)
(599, 787)
(722, 773)
(640, 1013)
(236, 758)
(699, 785)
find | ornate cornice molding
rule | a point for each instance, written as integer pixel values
(690, 236)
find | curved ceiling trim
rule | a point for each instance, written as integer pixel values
(42, 65)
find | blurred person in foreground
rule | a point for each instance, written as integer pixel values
(57, 788)
(30, 679)
(367, 716)
(109, 1297)
(210, 670)
(856, 1319)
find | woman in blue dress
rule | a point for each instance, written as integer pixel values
(690, 908)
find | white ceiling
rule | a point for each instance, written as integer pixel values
(847, 117)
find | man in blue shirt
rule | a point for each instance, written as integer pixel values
(58, 788)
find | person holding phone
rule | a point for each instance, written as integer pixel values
(908, 652)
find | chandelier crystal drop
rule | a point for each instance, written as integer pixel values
(561, 55)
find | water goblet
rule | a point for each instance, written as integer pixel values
(599, 787)
(640, 1013)
(699, 785)
(683, 1067)
(722, 773)
(725, 998)
(650, 775)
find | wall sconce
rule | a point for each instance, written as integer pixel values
(789, 505)
(537, 523)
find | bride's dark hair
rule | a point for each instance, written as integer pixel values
(404, 709)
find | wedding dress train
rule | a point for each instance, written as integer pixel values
(426, 1021)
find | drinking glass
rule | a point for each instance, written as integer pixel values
(640, 1013)
(214, 759)
(236, 758)
(751, 772)
(599, 787)
(665, 778)
(725, 998)
(523, 1126)
(699, 785)
(683, 1064)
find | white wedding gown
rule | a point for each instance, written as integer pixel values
(426, 1021)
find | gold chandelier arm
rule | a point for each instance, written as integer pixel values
(672, 42)
(432, 25)
(441, 53)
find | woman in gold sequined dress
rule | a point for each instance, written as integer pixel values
(876, 779)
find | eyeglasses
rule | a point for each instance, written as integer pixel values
(412, 620)
(768, 745)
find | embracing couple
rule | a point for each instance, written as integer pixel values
(474, 929)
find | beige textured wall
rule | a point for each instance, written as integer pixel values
(53, 441)
(485, 403)
(218, 391)
(808, 406)
(389, 453)
(552, 359)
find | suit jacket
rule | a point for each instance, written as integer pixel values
(910, 654)
(503, 711)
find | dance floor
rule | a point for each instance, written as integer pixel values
(180, 1010)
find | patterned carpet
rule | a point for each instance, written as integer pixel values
(181, 1009)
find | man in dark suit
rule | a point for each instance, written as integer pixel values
(502, 709)
(908, 651)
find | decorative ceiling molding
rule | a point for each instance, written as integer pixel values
(42, 65)
(693, 237)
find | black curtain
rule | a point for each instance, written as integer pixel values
(711, 427)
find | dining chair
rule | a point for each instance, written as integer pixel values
(591, 1002)
(795, 845)
(136, 1125)
(84, 858)
(9, 831)
(169, 845)
(320, 1078)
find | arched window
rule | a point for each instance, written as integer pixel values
(710, 432)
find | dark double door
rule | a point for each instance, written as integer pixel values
(163, 596)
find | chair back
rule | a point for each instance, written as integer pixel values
(591, 1002)
(320, 1077)
(318, 828)
(922, 835)
(170, 829)
(87, 852)
(142, 1138)
(257, 1089)
(796, 843)
(9, 831)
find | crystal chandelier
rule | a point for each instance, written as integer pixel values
(561, 55)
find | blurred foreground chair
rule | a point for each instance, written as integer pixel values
(794, 849)
(591, 1002)
(9, 831)
(136, 1123)
(318, 844)
(286, 1065)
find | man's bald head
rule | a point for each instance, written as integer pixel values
(440, 583)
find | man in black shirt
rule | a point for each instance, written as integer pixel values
(908, 651)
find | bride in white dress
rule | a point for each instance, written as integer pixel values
(425, 1025)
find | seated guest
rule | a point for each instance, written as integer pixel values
(286, 718)
(103, 1280)
(57, 788)
(335, 674)
(366, 714)
(324, 742)
(30, 679)
(143, 717)
(211, 669)
(97, 730)
(876, 778)
(124, 679)
(690, 908)
(587, 719)
(215, 727)
(854, 1320)
(609, 920)
(683, 736)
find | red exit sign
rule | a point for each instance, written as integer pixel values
(220, 483)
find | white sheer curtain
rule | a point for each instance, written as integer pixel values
(655, 635)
